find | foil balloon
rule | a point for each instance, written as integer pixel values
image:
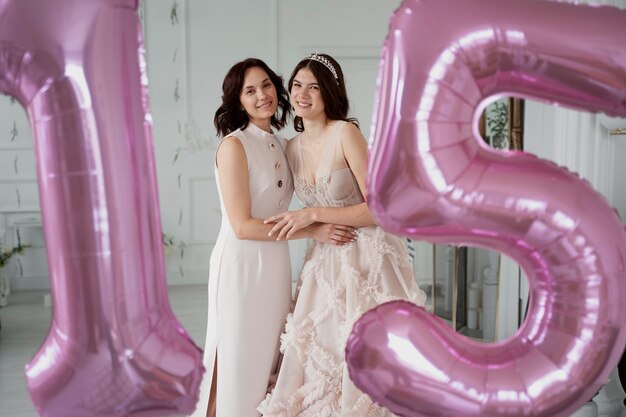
(114, 347)
(431, 178)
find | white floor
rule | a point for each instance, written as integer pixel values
(25, 323)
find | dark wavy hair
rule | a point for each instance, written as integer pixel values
(230, 116)
(336, 104)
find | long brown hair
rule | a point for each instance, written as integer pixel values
(333, 90)
(230, 116)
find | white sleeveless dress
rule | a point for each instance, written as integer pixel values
(337, 285)
(249, 287)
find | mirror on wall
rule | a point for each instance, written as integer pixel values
(501, 124)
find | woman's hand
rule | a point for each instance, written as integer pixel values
(335, 234)
(289, 222)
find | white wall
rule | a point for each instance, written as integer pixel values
(190, 45)
(211, 36)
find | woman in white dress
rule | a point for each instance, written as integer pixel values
(337, 284)
(249, 291)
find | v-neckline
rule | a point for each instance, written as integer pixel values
(325, 150)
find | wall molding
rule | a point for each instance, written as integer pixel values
(25, 283)
(175, 279)
(18, 181)
(8, 148)
(194, 182)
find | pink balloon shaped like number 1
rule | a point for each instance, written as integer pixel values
(114, 347)
(432, 178)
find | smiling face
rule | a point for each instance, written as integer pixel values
(258, 97)
(306, 97)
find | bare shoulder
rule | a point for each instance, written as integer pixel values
(230, 144)
(350, 135)
(230, 149)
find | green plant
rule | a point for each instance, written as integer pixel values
(170, 245)
(7, 253)
(498, 123)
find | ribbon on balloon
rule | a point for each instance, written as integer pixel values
(432, 178)
(114, 347)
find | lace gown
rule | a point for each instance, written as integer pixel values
(337, 285)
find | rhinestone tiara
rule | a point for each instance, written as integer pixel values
(324, 61)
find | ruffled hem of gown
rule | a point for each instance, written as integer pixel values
(322, 397)
(315, 400)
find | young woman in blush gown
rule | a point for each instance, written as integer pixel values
(338, 283)
(249, 291)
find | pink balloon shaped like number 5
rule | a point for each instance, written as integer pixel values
(114, 347)
(432, 178)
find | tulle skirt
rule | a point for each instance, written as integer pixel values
(337, 285)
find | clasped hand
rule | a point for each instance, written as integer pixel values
(289, 222)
